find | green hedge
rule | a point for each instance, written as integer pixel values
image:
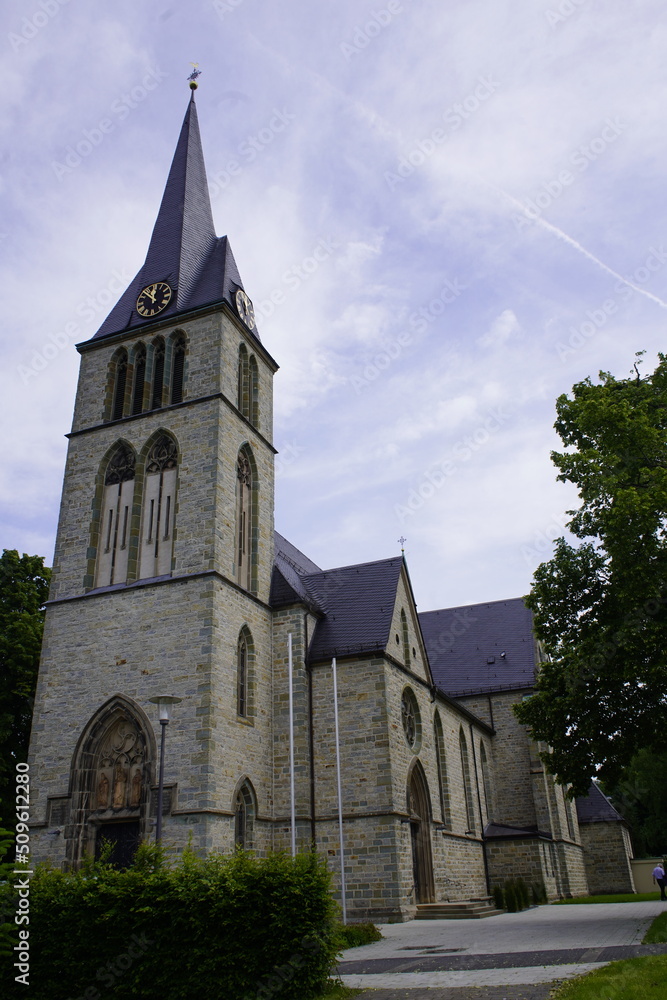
(237, 928)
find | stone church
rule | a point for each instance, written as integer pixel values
(169, 578)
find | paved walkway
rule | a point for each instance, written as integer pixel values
(523, 954)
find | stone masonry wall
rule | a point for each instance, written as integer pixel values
(607, 858)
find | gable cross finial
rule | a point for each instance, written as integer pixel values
(193, 76)
(401, 542)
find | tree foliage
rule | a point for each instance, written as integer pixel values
(24, 588)
(600, 606)
(640, 795)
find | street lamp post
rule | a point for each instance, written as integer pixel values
(163, 702)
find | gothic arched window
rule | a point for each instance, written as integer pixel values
(486, 781)
(253, 391)
(157, 380)
(139, 380)
(243, 398)
(157, 527)
(467, 784)
(117, 499)
(244, 817)
(244, 679)
(244, 536)
(120, 382)
(441, 761)
(177, 369)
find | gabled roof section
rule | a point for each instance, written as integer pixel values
(596, 807)
(358, 602)
(184, 250)
(465, 647)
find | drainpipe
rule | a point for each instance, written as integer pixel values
(311, 735)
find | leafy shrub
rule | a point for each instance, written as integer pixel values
(522, 894)
(239, 927)
(354, 935)
(539, 893)
(498, 897)
(511, 901)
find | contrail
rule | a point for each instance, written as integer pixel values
(577, 246)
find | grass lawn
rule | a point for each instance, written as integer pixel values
(339, 992)
(628, 897)
(657, 932)
(634, 979)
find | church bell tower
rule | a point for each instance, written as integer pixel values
(163, 557)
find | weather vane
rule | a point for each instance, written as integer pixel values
(193, 76)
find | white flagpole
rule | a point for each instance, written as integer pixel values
(340, 795)
(291, 745)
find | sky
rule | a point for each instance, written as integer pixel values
(446, 214)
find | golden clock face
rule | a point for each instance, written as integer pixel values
(153, 299)
(245, 309)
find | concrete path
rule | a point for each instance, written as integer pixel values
(443, 959)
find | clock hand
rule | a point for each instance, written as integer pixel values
(150, 292)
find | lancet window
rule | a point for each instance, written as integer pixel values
(467, 784)
(120, 383)
(158, 374)
(244, 552)
(244, 817)
(177, 370)
(157, 527)
(139, 379)
(441, 761)
(117, 501)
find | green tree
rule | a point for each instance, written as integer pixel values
(601, 606)
(24, 587)
(640, 795)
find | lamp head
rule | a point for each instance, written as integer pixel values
(163, 701)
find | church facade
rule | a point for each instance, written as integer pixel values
(169, 578)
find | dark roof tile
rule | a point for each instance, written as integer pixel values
(465, 647)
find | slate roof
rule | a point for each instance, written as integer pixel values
(596, 807)
(500, 831)
(465, 644)
(290, 565)
(184, 250)
(358, 602)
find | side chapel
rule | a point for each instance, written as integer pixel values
(169, 578)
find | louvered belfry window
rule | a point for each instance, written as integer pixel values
(116, 518)
(157, 526)
(158, 374)
(139, 380)
(119, 386)
(178, 366)
(243, 521)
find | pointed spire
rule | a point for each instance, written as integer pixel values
(183, 235)
(184, 251)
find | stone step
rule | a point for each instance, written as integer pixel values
(468, 910)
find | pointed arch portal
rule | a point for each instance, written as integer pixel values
(419, 809)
